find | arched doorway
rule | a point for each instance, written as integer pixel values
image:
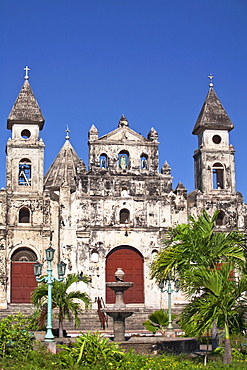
(23, 281)
(131, 261)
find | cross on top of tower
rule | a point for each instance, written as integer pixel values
(26, 69)
(211, 80)
(67, 133)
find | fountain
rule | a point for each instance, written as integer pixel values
(119, 312)
(141, 344)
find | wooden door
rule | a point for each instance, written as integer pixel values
(131, 262)
(23, 281)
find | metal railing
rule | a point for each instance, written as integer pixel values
(103, 318)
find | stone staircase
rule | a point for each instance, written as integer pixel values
(89, 319)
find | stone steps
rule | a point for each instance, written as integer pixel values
(89, 319)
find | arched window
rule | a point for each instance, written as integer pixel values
(220, 219)
(24, 215)
(124, 192)
(103, 161)
(24, 176)
(218, 176)
(24, 254)
(144, 162)
(95, 256)
(124, 216)
(123, 159)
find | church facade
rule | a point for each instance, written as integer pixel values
(111, 214)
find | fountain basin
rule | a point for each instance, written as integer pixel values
(117, 315)
(119, 288)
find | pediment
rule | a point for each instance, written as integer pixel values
(123, 134)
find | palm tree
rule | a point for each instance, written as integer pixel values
(68, 303)
(203, 259)
(221, 300)
(187, 246)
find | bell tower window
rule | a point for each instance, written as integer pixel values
(24, 176)
(24, 215)
(218, 176)
(124, 216)
(123, 159)
(103, 161)
(144, 162)
(25, 134)
(216, 139)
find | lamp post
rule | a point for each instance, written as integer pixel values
(49, 279)
(169, 291)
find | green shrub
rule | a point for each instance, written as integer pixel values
(236, 354)
(15, 338)
(90, 349)
(158, 320)
(39, 359)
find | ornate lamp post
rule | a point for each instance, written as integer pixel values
(169, 291)
(49, 279)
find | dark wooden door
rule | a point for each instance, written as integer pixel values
(23, 281)
(131, 262)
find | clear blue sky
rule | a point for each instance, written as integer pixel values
(93, 60)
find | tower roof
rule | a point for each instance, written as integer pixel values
(26, 108)
(212, 115)
(63, 169)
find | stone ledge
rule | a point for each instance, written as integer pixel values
(160, 345)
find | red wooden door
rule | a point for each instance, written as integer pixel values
(131, 262)
(23, 281)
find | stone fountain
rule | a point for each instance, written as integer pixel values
(141, 344)
(119, 312)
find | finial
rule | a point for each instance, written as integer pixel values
(26, 69)
(67, 133)
(211, 80)
(123, 121)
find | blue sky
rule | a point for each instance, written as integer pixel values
(93, 60)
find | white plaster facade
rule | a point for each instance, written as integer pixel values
(121, 201)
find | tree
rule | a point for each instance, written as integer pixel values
(200, 256)
(188, 246)
(221, 300)
(68, 303)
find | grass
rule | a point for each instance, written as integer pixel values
(43, 360)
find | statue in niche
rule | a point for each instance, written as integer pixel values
(103, 162)
(123, 162)
(144, 163)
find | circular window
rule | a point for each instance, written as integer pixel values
(25, 134)
(216, 139)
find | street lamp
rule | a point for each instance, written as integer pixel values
(169, 291)
(49, 279)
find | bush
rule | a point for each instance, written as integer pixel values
(158, 320)
(39, 359)
(90, 349)
(15, 338)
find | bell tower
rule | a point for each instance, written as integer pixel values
(214, 159)
(25, 150)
